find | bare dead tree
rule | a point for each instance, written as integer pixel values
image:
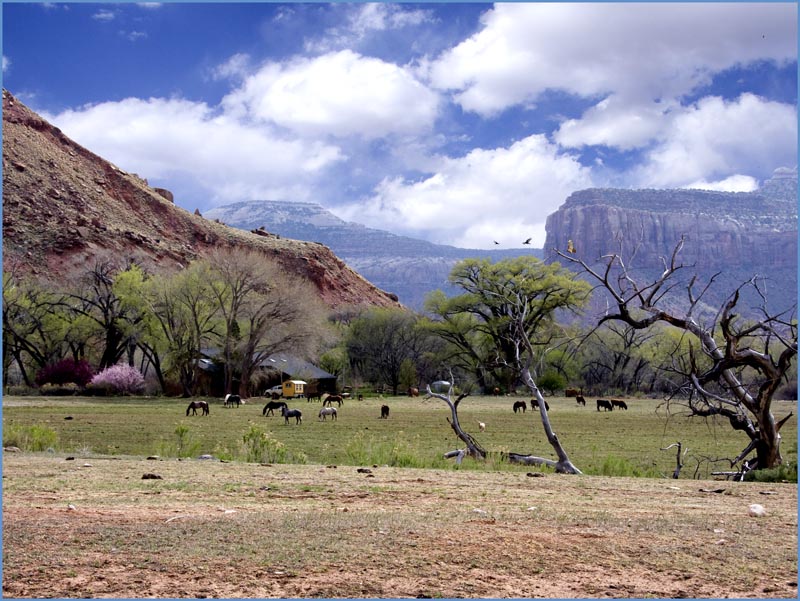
(473, 449)
(678, 459)
(734, 366)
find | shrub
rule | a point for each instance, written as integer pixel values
(786, 472)
(68, 389)
(260, 447)
(30, 438)
(118, 379)
(64, 372)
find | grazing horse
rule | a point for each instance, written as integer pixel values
(580, 400)
(231, 399)
(619, 404)
(571, 392)
(384, 412)
(271, 406)
(195, 405)
(535, 404)
(606, 405)
(310, 396)
(413, 391)
(331, 399)
(520, 405)
(295, 413)
(326, 411)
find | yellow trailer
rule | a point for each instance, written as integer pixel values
(294, 388)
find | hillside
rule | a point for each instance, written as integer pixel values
(409, 267)
(64, 205)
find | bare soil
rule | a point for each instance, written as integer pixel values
(94, 527)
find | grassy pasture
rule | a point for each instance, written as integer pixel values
(417, 433)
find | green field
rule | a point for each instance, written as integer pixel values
(624, 443)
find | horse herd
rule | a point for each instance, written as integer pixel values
(604, 404)
(328, 410)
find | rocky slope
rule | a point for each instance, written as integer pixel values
(409, 267)
(63, 206)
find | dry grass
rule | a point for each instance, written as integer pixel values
(210, 529)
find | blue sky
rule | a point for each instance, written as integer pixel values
(456, 123)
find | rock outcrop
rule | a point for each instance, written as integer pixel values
(64, 205)
(740, 235)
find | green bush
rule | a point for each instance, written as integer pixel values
(30, 438)
(786, 472)
(618, 466)
(260, 447)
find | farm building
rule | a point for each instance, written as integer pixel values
(292, 368)
(276, 369)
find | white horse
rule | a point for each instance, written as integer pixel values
(325, 412)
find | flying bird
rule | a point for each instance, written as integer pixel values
(495, 241)
(570, 247)
(528, 241)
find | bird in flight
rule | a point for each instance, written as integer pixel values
(495, 241)
(528, 241)
(570, 246)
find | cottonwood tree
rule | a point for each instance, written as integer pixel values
(734, 365)
(262, 312)
(513, 303)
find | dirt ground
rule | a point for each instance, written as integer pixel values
(97, 527)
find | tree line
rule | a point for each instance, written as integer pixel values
(514, 324)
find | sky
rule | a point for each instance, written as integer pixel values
(457, 123)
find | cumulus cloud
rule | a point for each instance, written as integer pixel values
(716, 138)
(340, 94)
(158, 138)
(637, 51)
(6, 64)
(502, 194)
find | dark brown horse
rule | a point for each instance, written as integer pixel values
(271, 406)
(384, 412)
(195, 405)
(535, 404)
(520, 405)
(331, 399)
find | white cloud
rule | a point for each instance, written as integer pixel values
(363, 20)
(340, 94)
(613, 122)
(638, 51)
(734, 183)
(716, 138)
(502, 194)
(133, 36)
(104, 15)
(236, 67)
(159, 138)
(6, 64)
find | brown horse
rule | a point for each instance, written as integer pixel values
(520, 405)
(195, 405)
(413, 391)
(331, 399)
(384, 412)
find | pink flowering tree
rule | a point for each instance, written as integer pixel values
(118, 379)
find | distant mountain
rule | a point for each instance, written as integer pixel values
(408, 267)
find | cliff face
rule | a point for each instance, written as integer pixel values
(753, 232)
(63, 206)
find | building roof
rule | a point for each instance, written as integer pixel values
(295, 367)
